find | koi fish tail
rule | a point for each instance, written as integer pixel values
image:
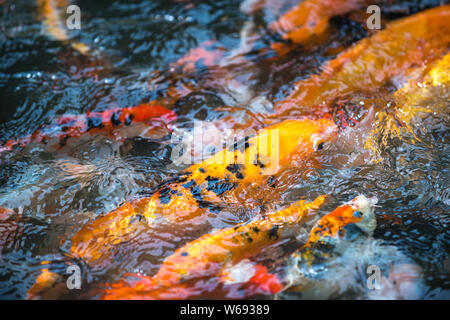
(107, 123)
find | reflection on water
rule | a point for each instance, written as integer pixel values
(54, 193)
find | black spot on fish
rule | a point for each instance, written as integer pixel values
(255, 229)
(137, 217)
(129, 119)
(233, 147)
(259, 164)
(214, 209)
(165, 195)
(65, 129)
(63, 141)
(188, 184)
(236, 169)
(271, 182)
(248, 238)
(184, 254)
(273, 232)
(219, 186)
(94, 123)
(202, 170)
(166, 184)
(196, 193)
(115, 119)
(240, 145)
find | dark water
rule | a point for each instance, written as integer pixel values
(54, 194)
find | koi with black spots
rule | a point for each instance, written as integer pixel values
(94, 123)
(251, 164)
(210, 254)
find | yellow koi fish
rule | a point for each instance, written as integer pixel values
(332, 233)
(208, 255)
(250, 166)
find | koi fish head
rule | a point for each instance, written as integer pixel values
(358, 212)
(325, 131)
(305, 136)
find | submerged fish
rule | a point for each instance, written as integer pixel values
(309, 20)
(210, 254)
(341, 255)
(335, 226)
(239, 174)
(105, 123)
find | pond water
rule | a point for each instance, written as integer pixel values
(136, 43)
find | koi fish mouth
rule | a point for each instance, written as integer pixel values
(364, 209)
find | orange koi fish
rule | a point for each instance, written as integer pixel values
(249, 166)
(104, 123)
(310, 19)
(208, 255)
(374, 61)
(334, 230)
(359, 211)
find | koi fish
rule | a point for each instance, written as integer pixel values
(338, 252)
(359, 212)
(332, 231)
(105, 123)
(373, 61)
(43, 282)
(208, 255)
(310, 19)
(249, 165)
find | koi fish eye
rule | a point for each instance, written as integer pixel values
(357, 214)
(318, 144)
